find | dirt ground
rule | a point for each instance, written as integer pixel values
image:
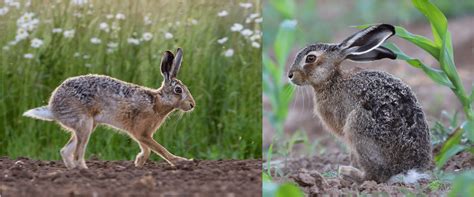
(26, 177)
(318, 175)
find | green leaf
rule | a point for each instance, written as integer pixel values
(472, 93)
(468, 127)
(419, 41)
(284, 41)
(435, 16)
(269, 159)
(289, 189)
(436, 75)
(450, 148)
(285, 7)
(285, 96)
(462, 184)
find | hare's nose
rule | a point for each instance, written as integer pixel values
(191, 105)
(290, 75)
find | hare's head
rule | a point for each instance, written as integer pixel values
(317, 63)
(173, 91)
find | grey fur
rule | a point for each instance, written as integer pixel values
(375, 113)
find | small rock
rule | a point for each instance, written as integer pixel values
(368, 185)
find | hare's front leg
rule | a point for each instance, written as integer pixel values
(143, 155)
(159, 149)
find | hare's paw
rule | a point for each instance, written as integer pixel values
(350, 173)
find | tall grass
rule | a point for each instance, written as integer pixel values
(225, 84)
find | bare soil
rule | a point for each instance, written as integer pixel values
(27, 177)
(318, 175)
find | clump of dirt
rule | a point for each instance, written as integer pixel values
(26, 177)
(318, 175)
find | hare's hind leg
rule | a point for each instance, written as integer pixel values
(143, 155)
(83, 132)
(67, 152)
(81, 127)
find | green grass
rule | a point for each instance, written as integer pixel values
(227, 120)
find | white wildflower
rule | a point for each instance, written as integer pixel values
(21, 34)
(77, 54)
(147, 36)
(229, 52)
(4, 11)
(36, 43)
(12, 43)
(245, 5)
(57, 30)
(168, 35)
(222, 40)
(255, 36)
(69, 33)
(104, 27)
(112, 44)
(95, 40)
(120, 16)
(6, 48)
(259, 20)
(28, 56)
(79, 2)
(222, 13)
(86, 57)
(236, 27)
(194, 21)
(147, 20)
(110, 50)
(133, 41)
(77, 15)
(246, 32)
(15, 4)
(109, 16)
(256, 45)
(254, 15)
(88, 65)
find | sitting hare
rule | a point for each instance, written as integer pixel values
(80, 103)
(375, 113)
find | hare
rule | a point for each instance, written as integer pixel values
(80, 103)
(374, 113)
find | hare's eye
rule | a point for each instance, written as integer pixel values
(178, 90)
(310, 58)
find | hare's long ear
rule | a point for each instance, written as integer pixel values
(365, 45)
(177, 62)
(166, 64)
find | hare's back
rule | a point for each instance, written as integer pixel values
(392, 105)
(88, 90)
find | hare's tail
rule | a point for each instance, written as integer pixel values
(412, 176)
(42, 113)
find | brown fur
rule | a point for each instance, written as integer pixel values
(81, 103)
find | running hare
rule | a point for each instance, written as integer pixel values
(375, 113)
(80, 103)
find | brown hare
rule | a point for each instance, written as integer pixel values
(80, 103)
(376, 114)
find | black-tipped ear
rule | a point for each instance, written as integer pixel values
(376, 54)
(177, 62)
(367, 39)
(166, 64)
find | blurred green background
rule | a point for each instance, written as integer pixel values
(45, 42)
(318, 20)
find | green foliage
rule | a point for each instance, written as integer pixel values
(277, 90)
(226, 122)
(270, 189)
(463, 184)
